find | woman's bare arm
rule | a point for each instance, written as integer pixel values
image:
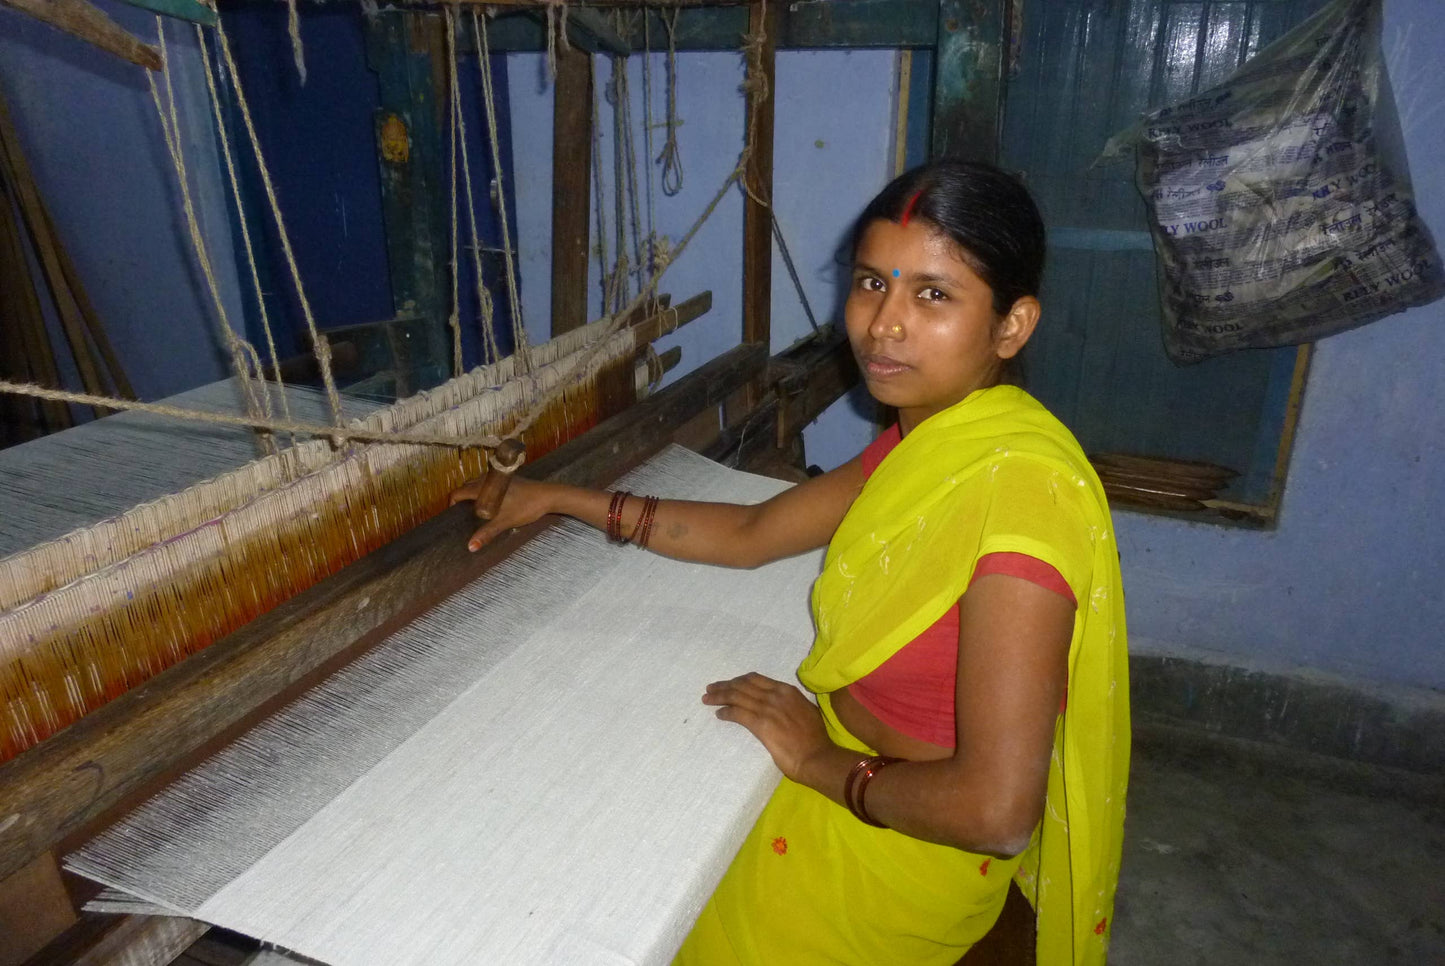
(989, 794)
(800, 518)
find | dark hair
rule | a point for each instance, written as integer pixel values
(986, 211)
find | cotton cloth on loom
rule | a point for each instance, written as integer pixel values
(64, 481)
(524, 775)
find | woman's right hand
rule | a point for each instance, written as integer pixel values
(525, 502)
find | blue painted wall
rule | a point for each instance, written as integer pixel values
(828, 163)
(91, 134)
(1350, 582)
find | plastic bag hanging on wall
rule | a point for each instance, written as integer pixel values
(1280, 201)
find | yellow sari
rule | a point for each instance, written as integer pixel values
(994, 473)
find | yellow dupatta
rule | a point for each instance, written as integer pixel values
(998, 473)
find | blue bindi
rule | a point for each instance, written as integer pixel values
(895, 273)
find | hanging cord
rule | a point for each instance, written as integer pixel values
(243, 354)
(628, 144)
(347, 433)
(647, 139)
(793, 272)
(319, 345)
(523, 346)
(293, 27)
(228, 154)
(556, 24)
(621, 289)
(671, 156)
(569, 375)
(755, 93)
(454, 319)
(756, 88)
(486, 322)
(599, 198)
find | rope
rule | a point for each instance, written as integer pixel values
(647, 138)
(319, 345)
(484, 298)
(170, 131)
(620, 286)
(556, 23)
(568, 376)
(628, 150)
(484, 63)
(298, 52)
(347, 433)
(756, 87)
(671, 156)
(454, 320)
(598, 197)
(793, 272)
(228, 153)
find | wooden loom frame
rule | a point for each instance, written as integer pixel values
(64, 790)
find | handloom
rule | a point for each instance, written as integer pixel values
(95, 604)
(517, 777)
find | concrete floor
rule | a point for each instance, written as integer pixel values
(1235, 854)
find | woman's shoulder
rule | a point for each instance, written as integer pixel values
(875, 451)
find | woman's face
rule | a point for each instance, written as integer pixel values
(921, 322)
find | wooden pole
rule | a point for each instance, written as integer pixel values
(21, 306)
(80, 19)
(571, 187)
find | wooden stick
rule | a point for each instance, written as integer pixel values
(669, 320)
(509, 456)
(80, 19)
(22, 308)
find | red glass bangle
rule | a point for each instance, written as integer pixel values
(855, 789)
(614, 516)
(643, 531)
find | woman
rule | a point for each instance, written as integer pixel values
(971, 724)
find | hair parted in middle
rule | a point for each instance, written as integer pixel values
(984, 210)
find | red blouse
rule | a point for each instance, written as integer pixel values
(913, 691)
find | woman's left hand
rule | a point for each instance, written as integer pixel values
(778, 714)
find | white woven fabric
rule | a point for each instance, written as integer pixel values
(575, 803)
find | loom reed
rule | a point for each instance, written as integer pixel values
(75, 646)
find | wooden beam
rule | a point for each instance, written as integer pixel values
(587, 30)
(851, 24)
(811, 377)
(34, 909)
(757, 211)
(101, 939)
(80, 19)
(184, 9)
(668, 320)
(67, 788)
(24, 316)
(571, 188)
(968, 82)
(635, 4)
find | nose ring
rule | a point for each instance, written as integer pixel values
(895, 330)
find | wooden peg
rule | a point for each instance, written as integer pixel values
(505, 459)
